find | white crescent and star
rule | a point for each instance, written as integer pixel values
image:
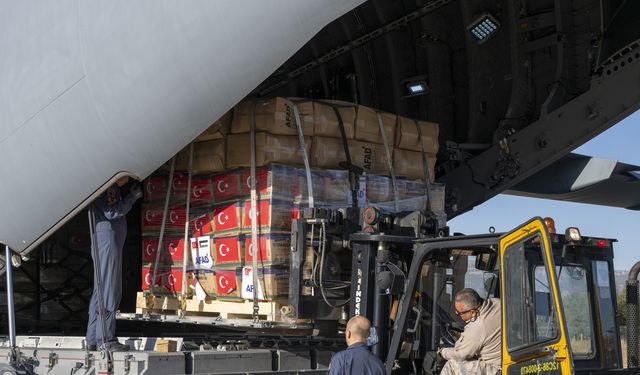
(173, 249)
(196, 192)
(222, 216)
(221, 188)
(224, 250)
(223, 280)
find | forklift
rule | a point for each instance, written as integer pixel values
(557, 293)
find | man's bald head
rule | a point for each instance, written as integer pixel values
(358, 329)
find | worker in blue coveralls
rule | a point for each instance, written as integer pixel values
(356, 359)
(110, 210)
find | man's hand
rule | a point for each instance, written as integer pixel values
(440, 360)
(136, 192)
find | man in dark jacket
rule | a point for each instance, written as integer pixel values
(109, 211)
(356, 359)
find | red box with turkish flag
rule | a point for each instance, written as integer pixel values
(273, 215)
(273, 181)
(227, 218)
(168, 280)
(226, 186)
(273, 249)
(173, 281)
(229, 283)
(152, 215)
(155, 187)
(201, 191)
(201, 224)
(174, 250)
(150, 249)
(147, 275)
(229, 251)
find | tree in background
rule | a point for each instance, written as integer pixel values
(622, 308)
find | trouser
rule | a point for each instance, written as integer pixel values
(470, 367)
(109, 242)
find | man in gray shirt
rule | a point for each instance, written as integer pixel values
(478, 351)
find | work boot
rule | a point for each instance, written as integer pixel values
(92, 348)
(117, 347)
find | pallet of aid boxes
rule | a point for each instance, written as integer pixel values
(231, 278)
(163, 250)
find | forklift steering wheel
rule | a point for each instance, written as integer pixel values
(449, 334)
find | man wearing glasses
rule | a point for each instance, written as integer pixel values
(478, 351)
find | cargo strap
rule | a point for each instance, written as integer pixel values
(354, 171)
(305, 156)
(152, 287)
(425, 164)
(253, 214)
(390, 164)
(186, 243)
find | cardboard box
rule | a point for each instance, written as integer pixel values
(273, 115)
(147, 275)
(330, 188)
(229, 283)
(150, 249)
(208, 157)
(227, 218)
(201, 191)
(270, 148)
(168, 280)
(325, 121)
(201, 224)
(328, 153)
(207, 280)
(367, 128)
(272, 282)
(407, 136)
(218, 130)
(166, 346)
(202, 253)
(155, 188)
(410, 164)
(151, 217)
(379, 189)
(273, 215)
(273, 249)
(228, 251)
(174, 250)
(273, 181)
(226, 186)
(174, 281)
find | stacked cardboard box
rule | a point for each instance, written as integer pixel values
(411, 144)
(219, 252)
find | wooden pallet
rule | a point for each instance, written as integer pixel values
(211, 308)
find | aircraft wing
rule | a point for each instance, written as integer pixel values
(585, 179)
(92, 90)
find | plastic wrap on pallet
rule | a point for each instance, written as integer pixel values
(273, 282)
(331, 188)
(412, 195)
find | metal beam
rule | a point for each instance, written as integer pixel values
(614, 94)
(356, 43)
